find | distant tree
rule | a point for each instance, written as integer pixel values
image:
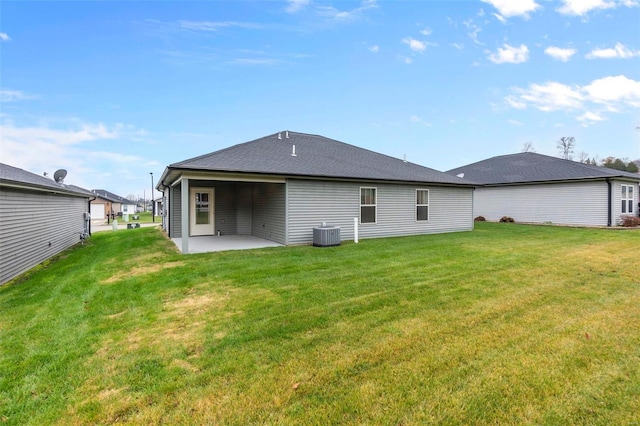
(620, 164)
(565, 146)
(528, 147)
(608, 162)
(584, 158)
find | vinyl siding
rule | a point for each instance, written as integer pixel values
(268, 217)
(244, 209)
(579, 203)
(35, 226)
(337, 203)
(225, 205)
(175, 218)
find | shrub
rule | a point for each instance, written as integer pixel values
(630, 221)
(480, 219)
(507, 219)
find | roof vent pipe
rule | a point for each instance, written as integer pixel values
(405, 158)
(279, 135)
(287, 134)
(293, 154)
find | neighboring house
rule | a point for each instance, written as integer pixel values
(101, 208)
(39, 218)
(281, 186)
(157, 207)
(108, 203)
(128, 206)
(537, 188)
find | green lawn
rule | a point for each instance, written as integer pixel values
(509, 324)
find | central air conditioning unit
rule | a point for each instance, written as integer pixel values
(326, 236)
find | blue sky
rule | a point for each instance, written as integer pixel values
(112, 91)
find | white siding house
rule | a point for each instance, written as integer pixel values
(39, 218)
(281, 186)
(537, 188)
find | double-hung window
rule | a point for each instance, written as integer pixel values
(627, 199)
(368, 205)
(422, 204)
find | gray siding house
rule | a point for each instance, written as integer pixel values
(281, 186)
(39, 218)
(536, 188)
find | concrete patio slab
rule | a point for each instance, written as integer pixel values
(207, 244)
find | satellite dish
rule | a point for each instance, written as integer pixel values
(59, 175)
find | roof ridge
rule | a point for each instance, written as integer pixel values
(188, 160)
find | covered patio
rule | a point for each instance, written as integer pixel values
(211, 243)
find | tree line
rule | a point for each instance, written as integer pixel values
(566, 146)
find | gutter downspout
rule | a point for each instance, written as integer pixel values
(609, 211)
(89, 205)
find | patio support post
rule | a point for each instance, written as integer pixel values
(355, 230)
(184, 208)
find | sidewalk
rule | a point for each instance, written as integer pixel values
(121, 225)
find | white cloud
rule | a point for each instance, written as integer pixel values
(619, 51)
(583, 7)
(589, 118)
(552, 96)
(374, 49)
(415, 45)
(500, 18)
(406, 59)
(254, 61)
(14, 95)
(4, 37)
(509, 8)
(418, 120)
(559, 53)
(510, 54)
(215, 26)
(515, 122)
(42, 148)
(426, 31)
(295, 6)
(515, 102)
(474, 30)
(345, 15)
(614, 90)
(610, 94)
(83, 133)
(458, 46)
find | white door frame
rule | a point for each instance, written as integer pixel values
(205, 228)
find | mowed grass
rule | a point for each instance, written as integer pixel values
(508, 324)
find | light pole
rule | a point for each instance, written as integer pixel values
(153, 202)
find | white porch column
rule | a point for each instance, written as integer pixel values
(184, 209)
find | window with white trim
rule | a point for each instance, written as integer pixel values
(367, 205)
(422, 204)
(627, 199)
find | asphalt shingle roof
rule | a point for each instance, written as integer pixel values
(16, 176)
(531, 167)
(316, 156)
(114, 198)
